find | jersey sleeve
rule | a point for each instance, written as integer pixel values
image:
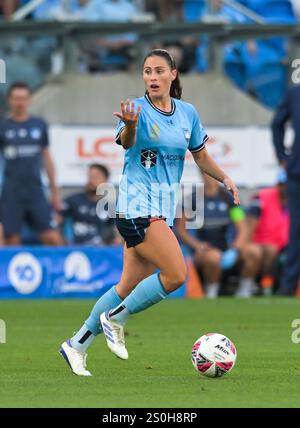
(198, 135)
(119, 128)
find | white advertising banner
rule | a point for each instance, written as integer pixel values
(246, 154)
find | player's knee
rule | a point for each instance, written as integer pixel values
(175, 278)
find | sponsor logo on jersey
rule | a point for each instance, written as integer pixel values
(148, 158)
(187, 134)
(155, 132)
(171, 157)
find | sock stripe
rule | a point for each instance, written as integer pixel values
(85, 337)
(161, 284)
(116, 311)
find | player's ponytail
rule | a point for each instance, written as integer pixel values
(176, 88)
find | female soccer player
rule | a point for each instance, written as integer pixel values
(156, 136)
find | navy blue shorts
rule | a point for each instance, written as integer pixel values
(133, 230)
(17, 208)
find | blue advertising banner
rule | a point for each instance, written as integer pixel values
(68, 272)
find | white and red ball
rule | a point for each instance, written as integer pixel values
(213, 355)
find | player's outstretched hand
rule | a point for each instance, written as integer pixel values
(127, 115)
(231, 187)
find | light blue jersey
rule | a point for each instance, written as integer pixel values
(153, 166)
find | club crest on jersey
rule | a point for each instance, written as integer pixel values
(155, 132)
(187, 134)
(148, 158)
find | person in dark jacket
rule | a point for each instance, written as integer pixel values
(289, 110)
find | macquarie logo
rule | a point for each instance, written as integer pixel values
(2, 71)
(25, 273)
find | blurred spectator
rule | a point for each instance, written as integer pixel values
(87, 10)
(289, 110)
(183, 53)
(296, 8)
(166, 10)
(268, 223)
(116, 51)
(88, 226)
(215, 251)
(1, 236)
(24, 146)
(60, 9)
(227, 13)
(109, 10)
(8, 7)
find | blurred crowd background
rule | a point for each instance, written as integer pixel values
(256, 66)
(239, 250)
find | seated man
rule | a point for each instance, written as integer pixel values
(88, 226)
(268, 224)
(212, 252)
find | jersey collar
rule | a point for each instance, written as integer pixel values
(159, 110)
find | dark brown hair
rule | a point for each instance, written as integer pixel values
(176, 88)
(101, 168)
(18, 85)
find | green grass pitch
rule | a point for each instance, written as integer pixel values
(159, 372)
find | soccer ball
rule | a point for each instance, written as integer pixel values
(213, 355)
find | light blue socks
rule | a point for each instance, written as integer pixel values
(147, 293)
(92, 327)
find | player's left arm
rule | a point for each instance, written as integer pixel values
(207, 164)
(50, 169)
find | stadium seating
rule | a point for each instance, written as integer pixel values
(262, 75)
(234, 65)
(193, 10)
(274, 10)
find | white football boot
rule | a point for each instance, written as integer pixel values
(75, 359)
(114, 335)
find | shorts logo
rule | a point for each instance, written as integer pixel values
(148, 158)
(25, 273)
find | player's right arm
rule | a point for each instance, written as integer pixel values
(130, 120)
